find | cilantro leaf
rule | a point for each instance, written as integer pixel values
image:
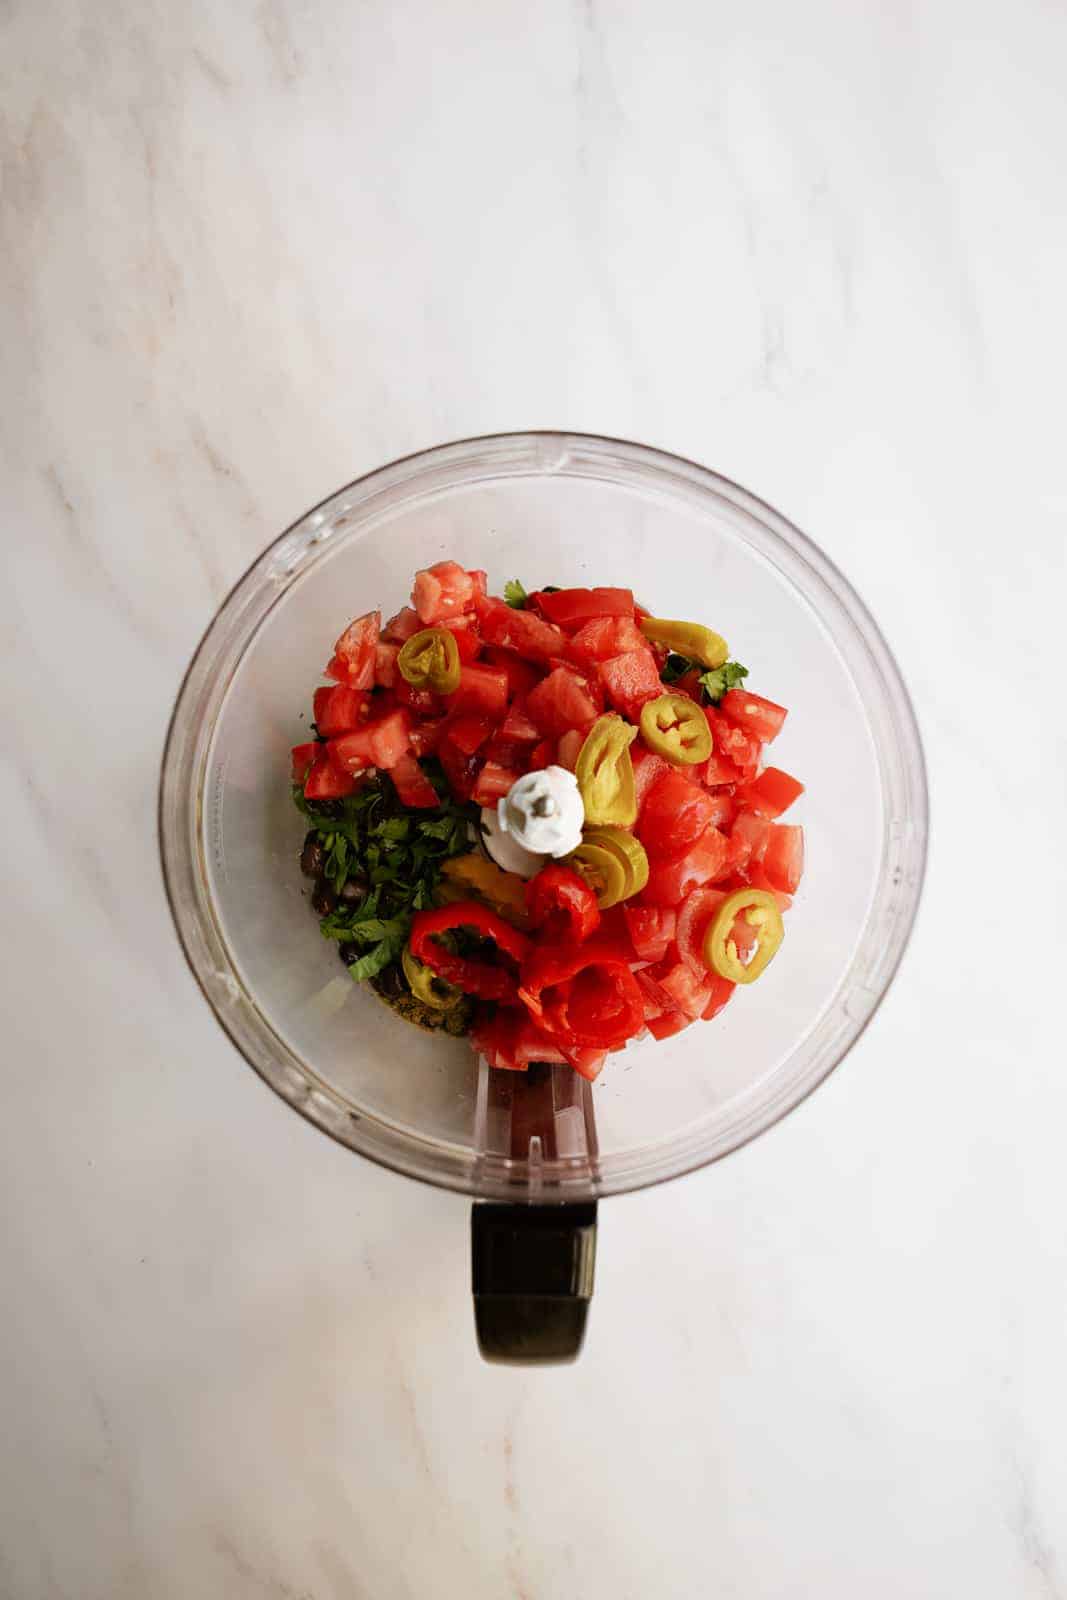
(371, 835)
(440, 828)
(716, 682)
(392, 829)
(373, 929)
(515, 594)
(375, 960)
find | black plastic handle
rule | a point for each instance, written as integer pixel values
(532, 1279)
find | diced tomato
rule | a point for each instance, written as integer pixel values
(723, 807)
(570, 748)
(413, 787)
(468, 732)
(507, 753)
(460, 770)
(325, 782)
(521, 676)
(561, 701)
(586, 676)
(670, 1022)
(761, 718)
(674, 815)
(385, 663)
(783, 859)
(647, 768)
(424, 702)
(304, 757)
(757, 879)
(510, 1040)
(377, 744)
(656, 1000)
(571, 607)
(442, 591)
(479, 581)
(401, 627)
(425, 737)
(586, 1061)
(732, 742)
(543, 755)
(604, 637)
(528, 635)
(518, 725)
(651, 929)
(671, 878)
(717, 771)
(354, 653)
(771, 793)
(468, 639)
(721, 990)
(339, 709)
(696, 912)
(630, 680)
(481, 689)
(492, 783)
(689, 991)
(750, 834)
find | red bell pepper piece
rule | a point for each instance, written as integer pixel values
(304, 757)
(473, 977)
(584, 994)
(569, 608)
(562, 905)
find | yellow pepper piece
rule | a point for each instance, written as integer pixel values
(760, 910)
(474, 874)
(605, 772)
(674, 727)
(687, 639)
(430, 660)
(426, 986)
(612, 862)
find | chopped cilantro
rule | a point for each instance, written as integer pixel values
(716, 682)
(372, 838)
(515, 594)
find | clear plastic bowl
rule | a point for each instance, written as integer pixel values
(567, 509)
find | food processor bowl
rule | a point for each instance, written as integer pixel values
(567, 509)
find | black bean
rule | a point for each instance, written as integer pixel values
(354, 889)
(324, 901)
(312, 856)
(348, 953)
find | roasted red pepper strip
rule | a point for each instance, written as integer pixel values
(562, 905)
(585, 994)
(473, 977)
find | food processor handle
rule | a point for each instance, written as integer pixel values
(532, 1279)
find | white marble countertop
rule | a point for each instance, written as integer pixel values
(250, 251)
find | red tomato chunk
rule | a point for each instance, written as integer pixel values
(524, 633)
(571, 607)
(561, 701)
(481, 689)
(339, 709)
(674, 815)
(630, 680)
(441, 592)
(771, 793)
(761, 718)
